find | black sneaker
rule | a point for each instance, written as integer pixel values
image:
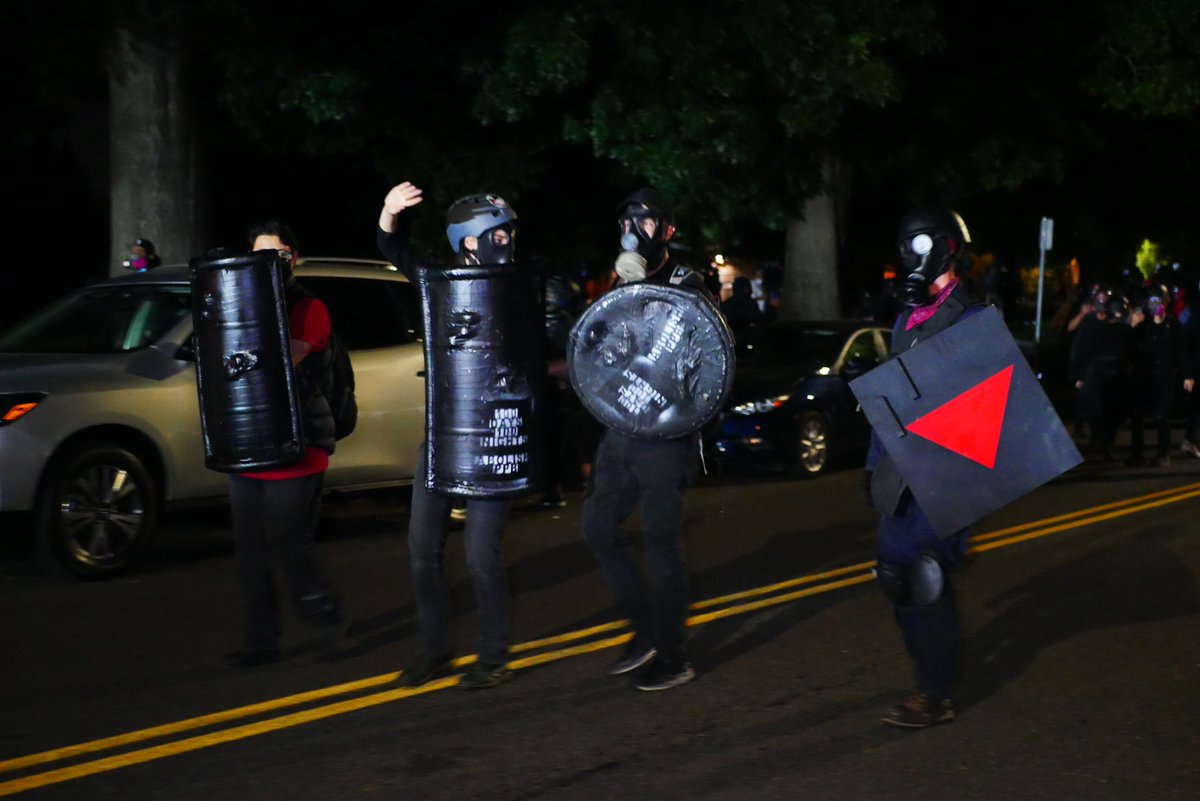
(920, 712)
(481, 675)
(636, 654)
(251, 657)
(1160, 461)
(422, 668)
(658, 675)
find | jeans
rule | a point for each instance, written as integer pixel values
(932, 634)
(427, 530)
(653, 473)
(278, 519)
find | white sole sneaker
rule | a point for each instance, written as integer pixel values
(667, 682)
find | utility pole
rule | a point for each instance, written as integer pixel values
(1046, 242)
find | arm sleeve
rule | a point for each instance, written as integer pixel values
(394, 248)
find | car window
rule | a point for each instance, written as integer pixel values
(368, 313)
(101, 319)
(862, 349)
(780, 345)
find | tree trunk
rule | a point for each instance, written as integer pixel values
(810, 278)
(152, 152)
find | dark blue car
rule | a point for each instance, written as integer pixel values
(791, 407)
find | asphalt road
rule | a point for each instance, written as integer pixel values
(1082, 672)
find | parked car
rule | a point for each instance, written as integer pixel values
(100, 422)
(790, 406)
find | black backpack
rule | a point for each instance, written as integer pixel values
(342, 401)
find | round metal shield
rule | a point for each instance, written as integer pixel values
(651, 361)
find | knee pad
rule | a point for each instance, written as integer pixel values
(926, 580)
(920, 583)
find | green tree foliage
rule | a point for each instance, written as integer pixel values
(728, 106)
(1148, 61)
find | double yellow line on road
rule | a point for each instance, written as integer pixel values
(563, 646)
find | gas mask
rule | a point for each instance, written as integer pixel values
(642, 242)
(931, 240)
(490, 220)
(496, 246)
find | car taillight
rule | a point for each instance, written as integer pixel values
(14, 407)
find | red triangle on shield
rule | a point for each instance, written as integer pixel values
(970, 424)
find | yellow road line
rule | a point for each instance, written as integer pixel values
(1004, 532)
(1131, 506)
(1086, 522)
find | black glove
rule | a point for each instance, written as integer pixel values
(864, 488)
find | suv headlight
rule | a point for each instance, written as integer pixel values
(15, 406)
(760, 406)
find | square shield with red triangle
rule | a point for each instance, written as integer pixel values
(966, 422)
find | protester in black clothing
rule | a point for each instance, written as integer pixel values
(740, 308)
(1158, 354)
(563, 300)
(1191, 368)
(654, 473)
(480, 232)
(1100, 361)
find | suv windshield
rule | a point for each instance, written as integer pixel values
(103, 319)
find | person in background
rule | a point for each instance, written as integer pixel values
(740, 308)
(1158, 353)
(142, 257)
(275, 512)
(1100, 364)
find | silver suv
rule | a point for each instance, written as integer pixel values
(100, 422)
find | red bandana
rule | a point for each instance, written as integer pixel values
(922, 313)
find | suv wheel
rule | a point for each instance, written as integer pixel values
(812, 445)
(96, 511)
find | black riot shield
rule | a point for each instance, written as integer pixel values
(651, 361)
(249, 404)
(484, 365)
(966, 422)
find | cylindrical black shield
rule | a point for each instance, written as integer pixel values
(249, 405)
(652, 361)
(483, 379)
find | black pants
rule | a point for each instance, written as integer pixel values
(654, 473)
(427, 529)
(1152, 399)
(1105, 399)
(276, 521)
(1192, 421)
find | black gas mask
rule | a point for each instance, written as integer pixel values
(496, 246)
(642, 232)
(931, 240)
(643, 221)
